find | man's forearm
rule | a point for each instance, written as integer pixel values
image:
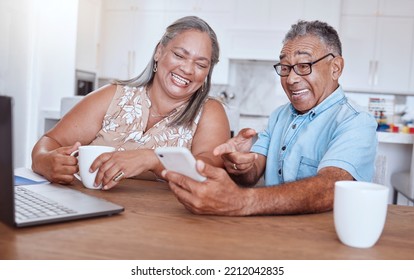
(310, 195)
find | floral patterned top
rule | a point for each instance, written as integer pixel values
(125, 121)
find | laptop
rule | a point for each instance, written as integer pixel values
(29, 205)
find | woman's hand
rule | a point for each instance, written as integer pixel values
(236, 152)
(58, 166)
(130, 163)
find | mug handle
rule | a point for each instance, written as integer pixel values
(75, 154)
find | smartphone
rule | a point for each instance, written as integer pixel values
(180, 160)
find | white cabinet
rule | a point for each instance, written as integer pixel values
(203, 6)
(393, 74)
(404, 8)
(128, 41)
(377, 46)
(245, 29)
(400, 8)
(259, 27)
(219, 21)
(375, 49)
(135, 5)
(281, 14)
(129, 34)
(89, 12)
(117, 45)
(131, 29)
(218, 14)
(358, 46)
(360, 8)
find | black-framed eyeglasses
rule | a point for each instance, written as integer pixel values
(302, 69)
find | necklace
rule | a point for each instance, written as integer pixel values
(157, 115)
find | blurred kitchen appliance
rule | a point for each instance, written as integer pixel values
(85, 82)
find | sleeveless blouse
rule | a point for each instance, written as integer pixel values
(124, 124)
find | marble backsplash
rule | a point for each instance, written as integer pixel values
(254, 87)
(253, 93)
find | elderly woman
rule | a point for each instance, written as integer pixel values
(166, 105)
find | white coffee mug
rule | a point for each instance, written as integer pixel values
(360, 210)
(86, 156)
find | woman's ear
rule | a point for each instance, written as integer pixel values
(337, 67)
(158, 52)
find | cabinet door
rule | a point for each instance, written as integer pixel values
(196, 6)
(360, 8)
(128, 41)
(402, 8)
(147, 31)
(218, 22)
(87, 35)
(116, 45)
(358, 49)
(250, 15)
(394, 52)
(135, 5)
(318, 10)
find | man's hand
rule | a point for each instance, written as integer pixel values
(218, 195)
(242, 142)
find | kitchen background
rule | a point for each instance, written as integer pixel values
(52, 52)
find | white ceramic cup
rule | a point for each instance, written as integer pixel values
(86, 156)
(360, 210)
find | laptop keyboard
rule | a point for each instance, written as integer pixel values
(30, 205)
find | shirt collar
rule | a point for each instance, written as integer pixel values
(333, 98)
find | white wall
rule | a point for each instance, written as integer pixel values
(54, 57)
(14, 66)
(37, 63)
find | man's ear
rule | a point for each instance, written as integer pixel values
(337, 67)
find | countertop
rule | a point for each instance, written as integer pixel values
(395, 138)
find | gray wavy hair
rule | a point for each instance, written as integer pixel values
(326, 33)
(187, 116)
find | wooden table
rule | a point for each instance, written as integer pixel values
(156, 226)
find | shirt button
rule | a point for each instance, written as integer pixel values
(283, 148)
(280, 172)
(294, 126)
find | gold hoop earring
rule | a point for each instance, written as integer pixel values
(155, 68)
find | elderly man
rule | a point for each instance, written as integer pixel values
(309, 144)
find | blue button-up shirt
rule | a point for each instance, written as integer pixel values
(334, 133)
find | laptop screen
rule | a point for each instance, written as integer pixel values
(6, 161)
(65, 203)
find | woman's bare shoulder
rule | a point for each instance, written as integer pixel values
(107, 91)
(213, 104)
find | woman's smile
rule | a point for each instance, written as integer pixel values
(180, 81)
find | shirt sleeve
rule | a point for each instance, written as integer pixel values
(353, 147)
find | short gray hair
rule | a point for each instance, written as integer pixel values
(326, 33)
